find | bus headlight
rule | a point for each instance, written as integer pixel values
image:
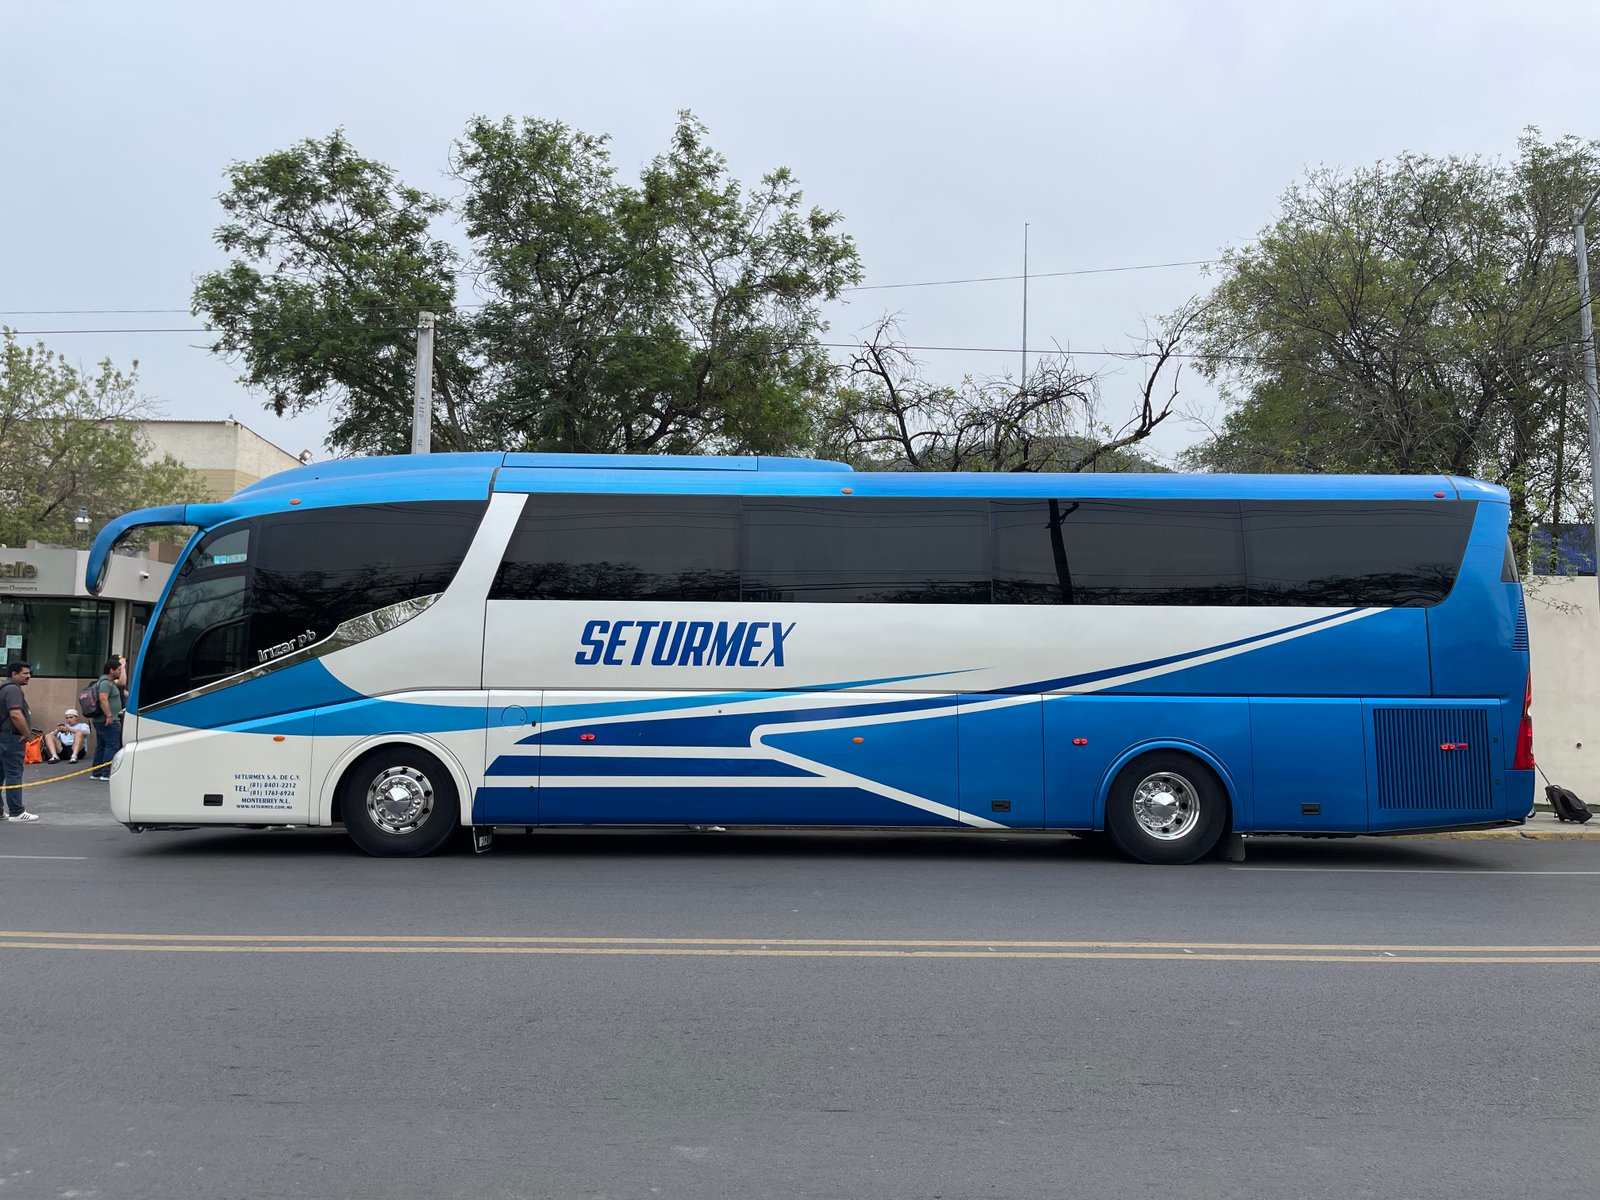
(116, 762)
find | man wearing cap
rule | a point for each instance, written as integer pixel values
(70, 735)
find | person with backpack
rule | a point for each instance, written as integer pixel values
(16, 727)
(108, 707)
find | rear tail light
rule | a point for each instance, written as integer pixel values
(1524, 757)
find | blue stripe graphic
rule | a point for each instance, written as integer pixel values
(621, 708)
(601, 766)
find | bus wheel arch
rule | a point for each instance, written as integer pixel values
(1167, 804)
(399, 797)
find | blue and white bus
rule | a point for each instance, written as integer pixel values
(414, 646)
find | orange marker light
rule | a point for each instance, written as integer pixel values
(858, 741)
(277, 737)
(847, 491)
(294, 502)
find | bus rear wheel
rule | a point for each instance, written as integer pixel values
(1167, 808)
(399, 802)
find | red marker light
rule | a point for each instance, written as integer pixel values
(586, 737)
(1438, 495)
(1080, 741)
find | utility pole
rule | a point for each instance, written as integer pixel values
(1024, 306)
(422, 397)
(1586, 327)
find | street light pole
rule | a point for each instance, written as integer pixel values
(1591, 395)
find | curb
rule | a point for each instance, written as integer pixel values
(1535, 835)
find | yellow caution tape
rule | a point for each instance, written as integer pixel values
(53, 778)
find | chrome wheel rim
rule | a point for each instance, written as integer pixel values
(400, 800)
(1167, 806)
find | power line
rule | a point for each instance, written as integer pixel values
(871, 287)
(827, 345)
(163, 329)
(1126, 355)
(85, 312)
(861, 287)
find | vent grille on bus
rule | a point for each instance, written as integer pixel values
(1414, 772)
(1519, 639)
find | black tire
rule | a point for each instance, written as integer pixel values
(418, 814)
(1167, 807)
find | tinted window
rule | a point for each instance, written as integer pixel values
(315, 570)
(189, 646)
(867, 550)
(1355, 553)
(227, 547)
(623, 548)
(1117, 552)
(254, 585)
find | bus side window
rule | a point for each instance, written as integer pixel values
(623, 548)
(1367, 553)
(867, 550)
(1118, 552)
(316, 570)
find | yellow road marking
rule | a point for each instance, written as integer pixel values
(751, 952)
(553, 940)
(791, 947)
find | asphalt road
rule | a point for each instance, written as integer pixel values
(230, 1014)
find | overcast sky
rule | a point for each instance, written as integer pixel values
(1123, 134)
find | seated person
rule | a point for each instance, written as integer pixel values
(70, 735)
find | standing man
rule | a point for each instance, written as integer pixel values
(16, 727)
(108, 735)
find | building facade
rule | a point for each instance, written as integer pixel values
(225, 454)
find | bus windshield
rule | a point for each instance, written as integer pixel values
(254, 590)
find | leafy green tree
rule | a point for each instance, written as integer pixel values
(677, 314)
(1419, 315)
(334, 259)
(68, 440)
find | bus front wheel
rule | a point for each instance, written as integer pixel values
(399, 802)
(1166, 807)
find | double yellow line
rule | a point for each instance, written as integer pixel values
(322, 943)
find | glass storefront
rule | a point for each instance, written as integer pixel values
(61, 638)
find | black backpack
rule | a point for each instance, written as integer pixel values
(1565, 803)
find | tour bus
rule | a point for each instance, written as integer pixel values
(414, 646)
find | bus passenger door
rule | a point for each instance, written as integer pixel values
(509, 793)
(1000, 746)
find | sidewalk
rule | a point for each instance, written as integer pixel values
(1542, 826)
(64, 789)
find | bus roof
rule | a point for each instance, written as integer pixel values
(469, 476)
(476, 476)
